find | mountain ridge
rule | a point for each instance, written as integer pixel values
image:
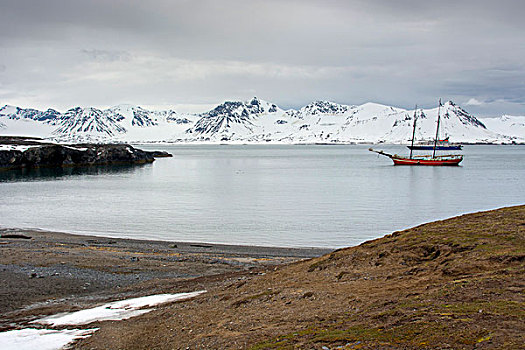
(259, 121)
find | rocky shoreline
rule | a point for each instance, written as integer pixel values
(23, 153)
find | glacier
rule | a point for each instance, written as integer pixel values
(259, 121)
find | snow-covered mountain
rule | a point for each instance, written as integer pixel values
(27, 122)
(130, 116)
(122, 123)
(327, 122)
(143, 125)
(91, 122)
(387, 124)
(257, 121)
(234, 120)
(507, 124)
(319, 108)
(17, 113)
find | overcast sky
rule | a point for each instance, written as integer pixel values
(192, 54)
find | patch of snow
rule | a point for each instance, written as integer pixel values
(507, 125)
(25, 127)
(21, 148)
(115, 311)
(41, 339)
(83, 149)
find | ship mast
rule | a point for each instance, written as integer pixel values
(437, 131)
(413, 132)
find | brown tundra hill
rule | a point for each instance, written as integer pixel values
(451, 284)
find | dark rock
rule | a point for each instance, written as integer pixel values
(160, 154)
(55, 155)
(14, 235)
(201, 245)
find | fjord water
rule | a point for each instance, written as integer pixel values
(270, 195)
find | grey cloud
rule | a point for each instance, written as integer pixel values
(493, 84)
(402, 52)
(107, 55)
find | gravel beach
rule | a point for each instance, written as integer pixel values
(48, 272)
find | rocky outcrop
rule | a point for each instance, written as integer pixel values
(160, 154)
(30, 154)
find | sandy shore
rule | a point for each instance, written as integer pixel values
(49, 272)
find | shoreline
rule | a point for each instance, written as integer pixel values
(457, 281)
(296, 251)
(454, 283)
(46, 272)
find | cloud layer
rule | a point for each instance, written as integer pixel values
(60, 53)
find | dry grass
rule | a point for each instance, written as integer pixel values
(452, 284)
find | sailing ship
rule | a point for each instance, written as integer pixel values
(433, 160)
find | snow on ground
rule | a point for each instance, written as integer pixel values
(25, 127)
(83, 149)
(41, 339)
(115, 311)
(507, 125)
(50, 339)
(21, 148)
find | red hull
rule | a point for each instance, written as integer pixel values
(428, 161)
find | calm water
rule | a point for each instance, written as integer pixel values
(325, 196)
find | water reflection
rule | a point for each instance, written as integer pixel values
(57, 173)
